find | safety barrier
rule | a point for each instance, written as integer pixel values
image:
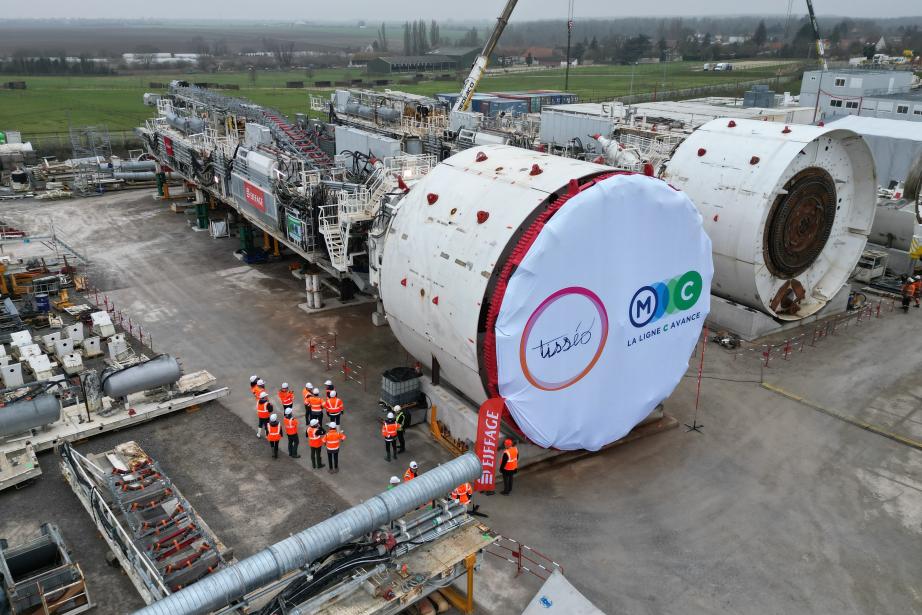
(523, 557)
(789, 348)
(120, 318)
(323, 348)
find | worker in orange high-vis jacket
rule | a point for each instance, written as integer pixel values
(274, 434)
(254, 388)
(315, 433)
(463, 493)
(333, 439)
(263, 410)
(412, 472)
(291, 431)
(509, 465)
(315, 405)
(917, 289)
(306, 393)
(907, 291)
(334, 407)
(389, 433)
(260, 387)
(286, 396)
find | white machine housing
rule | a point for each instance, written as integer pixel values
(458, 278)
(782, 255)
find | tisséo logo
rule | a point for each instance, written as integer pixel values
(563, 338)
(651, 302)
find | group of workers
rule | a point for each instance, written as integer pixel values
(911, 291)
(314, 407)
(392, 431)
(509, 465)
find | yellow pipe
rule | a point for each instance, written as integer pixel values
(465, 603)
(275, 249)
(265, 241)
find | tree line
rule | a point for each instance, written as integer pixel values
(22, 64)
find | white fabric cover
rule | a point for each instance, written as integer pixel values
(575, 371)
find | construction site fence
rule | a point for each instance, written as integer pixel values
(523, 557)
(808, 336)
(59, 143)
(734, 89)
(322, 348)
(120, 318)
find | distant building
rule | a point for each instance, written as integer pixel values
(871, 93)
(411, 64)
(463, 56)
(442, 59)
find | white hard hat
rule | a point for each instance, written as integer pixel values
(413, 465)
(316, 391)
(397, 408)
(314, 422)
(332, 425)
(261, 382)
(308, 386)
(919, 277)
(332, 393)
(274, 417)
(390, 415)
(328, 383)
(287, 411)
(395, 480)
(284, 385)
(263, 394)
(253, 379)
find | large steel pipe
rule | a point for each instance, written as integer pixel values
(230, 584)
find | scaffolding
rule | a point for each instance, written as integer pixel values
(91, 147)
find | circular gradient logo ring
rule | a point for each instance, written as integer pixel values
(559, 347)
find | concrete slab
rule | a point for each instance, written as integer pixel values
(774, 507)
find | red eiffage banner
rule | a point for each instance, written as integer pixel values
(488, 434)
(254, 196)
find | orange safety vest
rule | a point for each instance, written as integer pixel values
(306, 395)
(389, 431)
(512, 463)
(315, 403)
(255, 389)
(262, 409)
(908, 289)
(291, 426)
(409, 475)
(286, 397)
(333, 439)
(313, 438)
(334, 405)
(274, 432)
(462, 493)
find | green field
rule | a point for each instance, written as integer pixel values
(51, 104)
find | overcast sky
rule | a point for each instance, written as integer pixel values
(399, 10)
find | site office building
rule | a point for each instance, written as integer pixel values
(885, 94)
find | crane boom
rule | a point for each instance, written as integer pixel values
(480, 64)
(820, 49)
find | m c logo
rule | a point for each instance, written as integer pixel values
(651, 302)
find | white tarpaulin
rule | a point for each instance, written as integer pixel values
(599, 320)
(895, 144)
(558, 596)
